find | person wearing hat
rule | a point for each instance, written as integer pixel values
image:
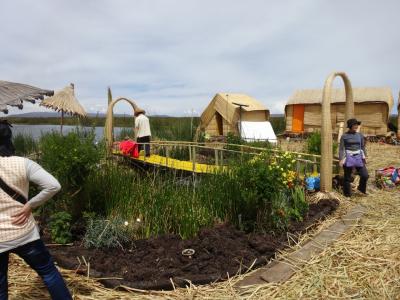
(142, 131)
(19, 233)
(352, 155)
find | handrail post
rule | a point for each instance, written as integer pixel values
(190, 152)
(166, 155)
(194, 158)
(315, 169)
(216, 156)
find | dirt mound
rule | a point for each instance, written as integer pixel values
(219, 251)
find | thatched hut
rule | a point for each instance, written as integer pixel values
(226, 111)
(372, 107)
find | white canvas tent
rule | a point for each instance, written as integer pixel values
(256, 131)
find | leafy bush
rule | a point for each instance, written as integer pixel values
(313, 144)
(60, 227)
(264, 184)
(69, 158)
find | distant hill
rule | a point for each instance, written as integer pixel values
(56, 115)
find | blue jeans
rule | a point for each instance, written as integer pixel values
(38, 258)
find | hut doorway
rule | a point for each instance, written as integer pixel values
(298, 118)
(220, 125)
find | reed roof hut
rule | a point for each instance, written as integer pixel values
(372, 107)
(13, 94)
(223, 113)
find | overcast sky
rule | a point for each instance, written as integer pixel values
(173, 56)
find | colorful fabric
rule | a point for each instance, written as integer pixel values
(388, 177)
(129, 148)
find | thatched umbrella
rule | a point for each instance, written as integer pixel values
(64, 101)
(13, 94)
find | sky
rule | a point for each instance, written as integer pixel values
(173, 56)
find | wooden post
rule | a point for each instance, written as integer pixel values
(216, 156)
(194, 158)
(315, 170)
(166, 155)
(326, 128)
(62, 121)
(340, 133)
(190, 153)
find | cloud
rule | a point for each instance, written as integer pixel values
(172, 56)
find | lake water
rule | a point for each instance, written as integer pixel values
(37, 130)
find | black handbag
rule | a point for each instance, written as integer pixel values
(12, 193)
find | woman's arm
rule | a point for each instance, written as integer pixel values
(47, 183)
(49, 187)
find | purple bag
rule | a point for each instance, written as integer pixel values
(354, 160)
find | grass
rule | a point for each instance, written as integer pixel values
(163, 202)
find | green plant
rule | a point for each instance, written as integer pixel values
(313, 144)
(298, 203)
(106, 233)
(24, 144)
(60, 227)
(69, 158)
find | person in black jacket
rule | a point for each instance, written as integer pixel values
(353, 143)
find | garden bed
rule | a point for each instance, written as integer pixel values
(155, 263)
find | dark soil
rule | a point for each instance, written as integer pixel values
(219, 251)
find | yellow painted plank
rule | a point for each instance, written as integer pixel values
(175, 163)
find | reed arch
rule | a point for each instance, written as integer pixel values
(109, 125)
(326, 126)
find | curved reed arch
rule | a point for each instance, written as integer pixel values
(109, 126)
(326, 128)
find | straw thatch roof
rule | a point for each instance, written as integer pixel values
(13, 94)
(65, 101)
(314, 96)
(223, 103)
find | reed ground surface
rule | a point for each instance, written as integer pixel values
(364, 263)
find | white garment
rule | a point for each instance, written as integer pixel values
(142, 126)
(49, 187)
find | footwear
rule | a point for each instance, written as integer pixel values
(360, 194)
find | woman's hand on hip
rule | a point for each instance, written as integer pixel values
(22, 215)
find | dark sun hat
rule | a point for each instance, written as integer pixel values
(351, 122)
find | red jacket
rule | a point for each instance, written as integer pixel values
(129, 148)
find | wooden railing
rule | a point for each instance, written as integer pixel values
(220, 154)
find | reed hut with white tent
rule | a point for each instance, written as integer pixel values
(238, 114)
(14, 94)
(372, 107)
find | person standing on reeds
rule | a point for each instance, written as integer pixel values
(352, 155)
(19, 233)
(142, 131)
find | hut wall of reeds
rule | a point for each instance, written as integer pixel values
(372, 107)
(221, 116)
